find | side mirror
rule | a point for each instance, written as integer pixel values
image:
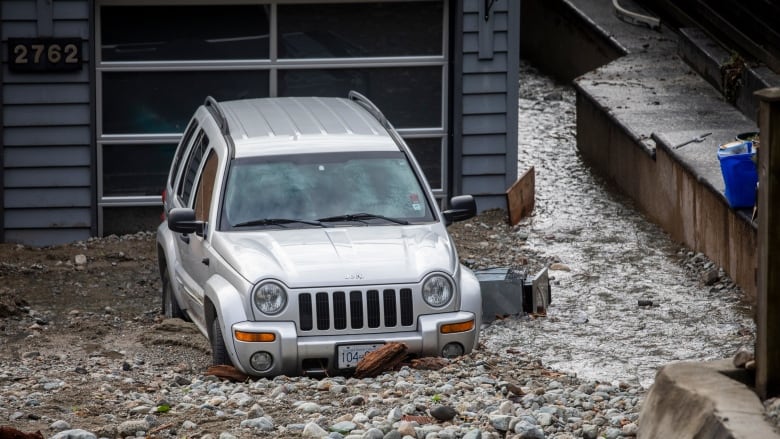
(462, 207)
(182, 220)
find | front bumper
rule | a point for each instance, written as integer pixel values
(316, 355)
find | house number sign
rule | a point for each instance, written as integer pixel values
(44, 54)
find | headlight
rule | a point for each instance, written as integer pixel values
(437, 290)
(270, 297)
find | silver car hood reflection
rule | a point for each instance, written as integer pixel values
(339, 256)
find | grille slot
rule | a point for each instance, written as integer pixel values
(356, 309)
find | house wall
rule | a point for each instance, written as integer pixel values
(47, 130)
(485, 99)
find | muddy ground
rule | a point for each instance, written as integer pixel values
(82, 312)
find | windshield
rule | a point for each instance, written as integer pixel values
(323, 190)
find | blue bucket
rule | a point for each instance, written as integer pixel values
(739, 173)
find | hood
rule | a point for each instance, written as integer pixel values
(339, 256)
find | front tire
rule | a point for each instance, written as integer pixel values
(219, 354)
(170, 307)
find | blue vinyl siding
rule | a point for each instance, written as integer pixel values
(46, 131)
(485, 110)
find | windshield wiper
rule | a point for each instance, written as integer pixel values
(361, 217)
(278, 222)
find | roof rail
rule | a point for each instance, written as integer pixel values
(373, 109)
(213, 106)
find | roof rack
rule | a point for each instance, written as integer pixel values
(213, 106)
(373, 109)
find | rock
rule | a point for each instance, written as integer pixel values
(343, 427)
(73, 434)
(262, 424)
(313, 430)
(557, 266)
(373, 433)
(80, 260)
(59, 425)
(742, 357)
(710, 276)
(130, 428)
(590, 431)
(443, 412)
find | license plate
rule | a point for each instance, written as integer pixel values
(350, 355)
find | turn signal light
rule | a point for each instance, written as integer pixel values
(255, 336)
(457, 327)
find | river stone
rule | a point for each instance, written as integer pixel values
(74, 434)
(313, 430)
(443, 412)
(343, 427)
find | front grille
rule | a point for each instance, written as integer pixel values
(356, 309)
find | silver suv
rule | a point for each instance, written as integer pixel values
(300, 234)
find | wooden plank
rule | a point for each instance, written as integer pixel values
(768, 306)
(520, 197)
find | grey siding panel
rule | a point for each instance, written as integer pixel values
(46, 94)
(484, 144)
(47, 133)
(472, 64)
(487, 83)
(473, 5)
(42, 136)
(484, 164)
(81, 76)
(484, 124)
(18, 29)
(47, 177)
(29, 29)
(47, 198)
(484, 184)
(37, 115)
(471, 21)
(18, 10)
(486, 202)
(484, 103)
(471, 42)
(44, 237)
(37, 218)
(33, 156)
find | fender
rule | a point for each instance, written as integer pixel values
(166, 245)
(230, 309)
(471, 297)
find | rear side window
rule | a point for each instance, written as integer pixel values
(194, 162)
(185, 141)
